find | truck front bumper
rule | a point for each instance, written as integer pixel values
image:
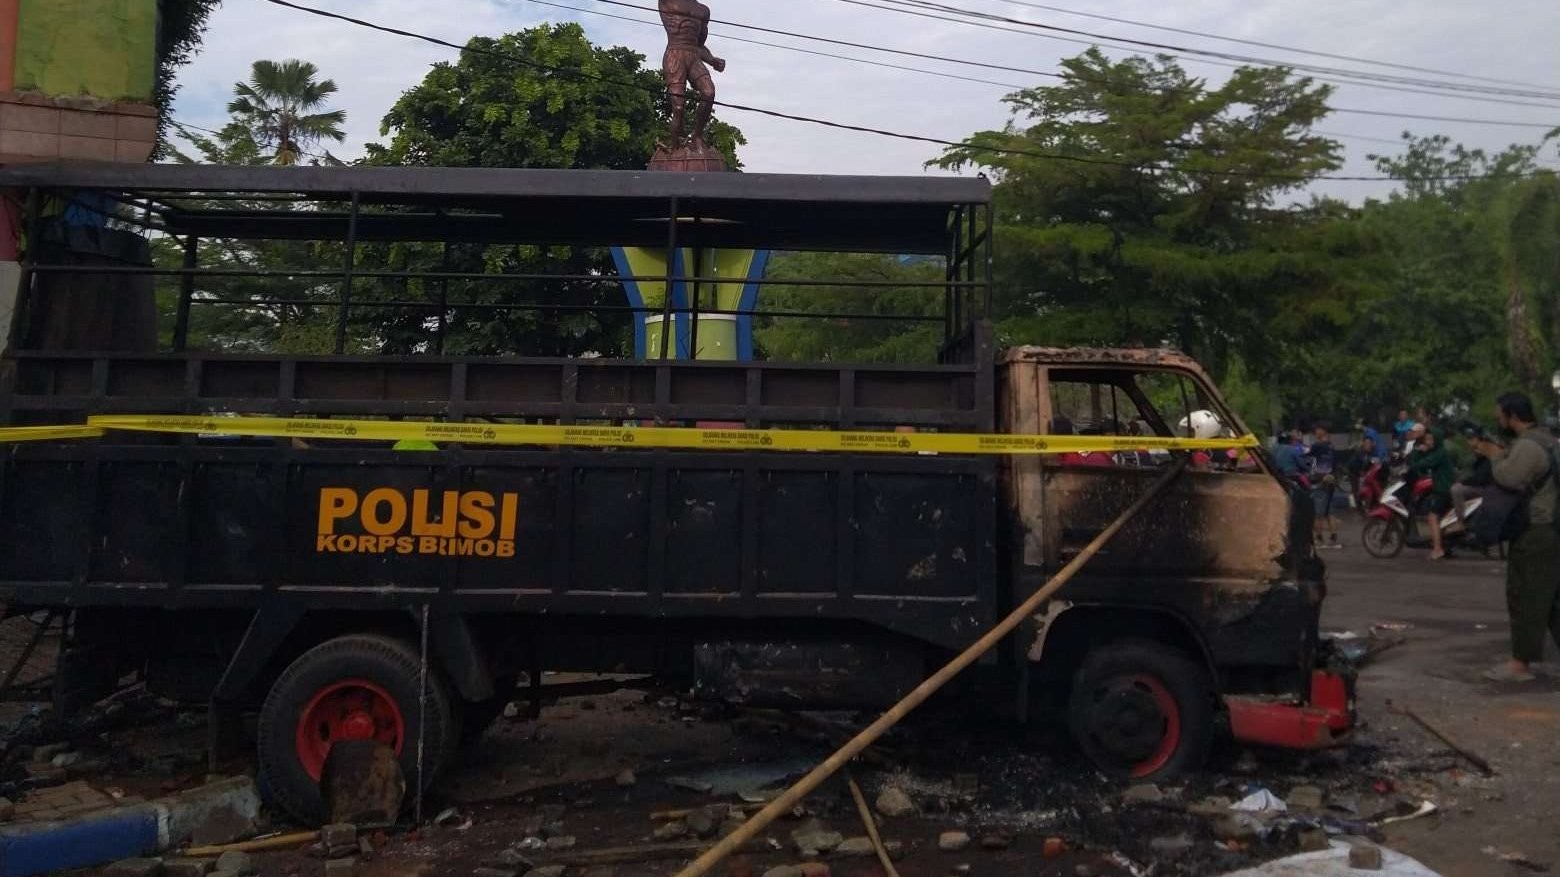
(1321, 723)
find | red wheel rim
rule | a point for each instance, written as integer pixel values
(1172, 735)
(352, 709)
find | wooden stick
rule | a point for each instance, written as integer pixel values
(807, 784)
(281, 841)
(872, 830)
(1473, 759)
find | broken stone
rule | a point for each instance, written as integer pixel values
(338, 834)
(239, 863)
(135, 868)
(513, 859)
(894, 802)
(46, 752)
(1306, 797)
(548, 871)
(188, 867)
(1143, 793)
(562, 842)
(689, 784)
(703, 823)
(814, 838)
(626, 779)
(856, 848)
(1312, 840)
(1365, 857)
(996, 842)
(815, 869)
(671, 831)
(1171, 847)
(340, 868)
(554, 829)
(895, 849)
(512, 710)
(341, 851)
(489, 871)
(1054, 847)
(362, 784)
(532, 843)
(953, 841)
(366, 847)
(1238, 827)
(66, 759)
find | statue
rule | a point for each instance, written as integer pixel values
(687, 25)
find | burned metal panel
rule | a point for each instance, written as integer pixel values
(704, 531)
(917, 532)
(41, 520)
(809, 673)
(236, 512)
(1216, 525)
(798, 542)
(136, 514)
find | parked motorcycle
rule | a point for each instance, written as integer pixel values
(1369, 487)
(1392, 524)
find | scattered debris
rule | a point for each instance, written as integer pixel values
(689, 784)
(237, 862)
(1306, 798)
(996, 841)
(1425, 809)
(894, 802)
(813, 838)
(1517, 860)
(1260, 801)
(1053, 847)
(1142, 793)
(856, 848)
(626, 779)
(1365, 857)
(362, 784)
(134, 868)
(953, 841)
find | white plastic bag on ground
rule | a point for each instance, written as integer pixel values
(1334, 862)
(1260, 801)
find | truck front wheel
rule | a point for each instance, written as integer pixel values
(360, 687)
(1142, 711)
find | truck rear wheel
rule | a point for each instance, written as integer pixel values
(1142, 711)
(359, 687)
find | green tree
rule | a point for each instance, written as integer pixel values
(492, 109)
(283, 103)
(180, 25)
(1146, 210)
(863, 339)
(275, 312)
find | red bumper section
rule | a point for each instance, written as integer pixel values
(1317, 725)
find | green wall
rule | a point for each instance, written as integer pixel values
(106, 49)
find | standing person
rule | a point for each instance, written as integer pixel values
(1533, 562)
(1429, 457)
(1324, 484)
(1288, 454)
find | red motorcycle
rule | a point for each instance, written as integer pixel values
(1369, 486)
(1395, 522)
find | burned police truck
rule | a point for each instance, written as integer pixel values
(302, 529)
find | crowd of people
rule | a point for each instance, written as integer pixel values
(1515, 475)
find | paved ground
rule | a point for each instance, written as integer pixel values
(1457, 609)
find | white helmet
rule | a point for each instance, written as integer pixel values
(1201, 425)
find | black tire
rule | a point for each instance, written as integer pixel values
(1143, 711)
(388, 663)
(1383, 538)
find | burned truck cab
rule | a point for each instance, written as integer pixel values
(1216, 584)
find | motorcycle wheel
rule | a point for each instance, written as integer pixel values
(1383, 539)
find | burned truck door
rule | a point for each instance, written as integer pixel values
(1209, 558)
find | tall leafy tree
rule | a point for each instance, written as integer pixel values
(1139, 205)
(540, 98)
(284, 105)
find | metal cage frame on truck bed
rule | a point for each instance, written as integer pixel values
(187, 522)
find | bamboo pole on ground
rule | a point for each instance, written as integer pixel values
(831, 765)
(870, 822)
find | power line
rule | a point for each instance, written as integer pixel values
(867, 61)
(843, 126)
(966, 61)
(975, 18)
(1259, 44)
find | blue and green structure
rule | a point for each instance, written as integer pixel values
(713, 293)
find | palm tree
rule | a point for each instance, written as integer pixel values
(283, 105)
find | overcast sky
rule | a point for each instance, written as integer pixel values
(1506, 39)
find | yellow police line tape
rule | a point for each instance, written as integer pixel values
(679, 438)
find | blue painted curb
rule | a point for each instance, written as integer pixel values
(124, 833)
(78, 843)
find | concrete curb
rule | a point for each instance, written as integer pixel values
(128, 832)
